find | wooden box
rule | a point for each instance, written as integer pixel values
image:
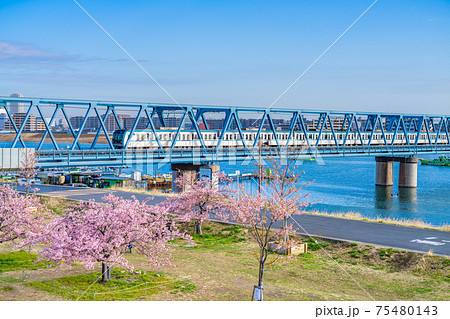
(295, 250)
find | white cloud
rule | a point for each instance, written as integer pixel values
(17, 51)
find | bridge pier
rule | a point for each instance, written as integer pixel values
(407, 176)
(384, 175)
(190, 171)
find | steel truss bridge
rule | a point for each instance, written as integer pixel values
(377, 134)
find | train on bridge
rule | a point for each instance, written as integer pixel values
(187, 139)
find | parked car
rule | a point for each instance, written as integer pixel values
(78, 185)
(23, 181)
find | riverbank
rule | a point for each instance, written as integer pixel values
(59, 137)
(391, 221)
(222, 266)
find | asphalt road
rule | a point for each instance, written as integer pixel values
(384, 235)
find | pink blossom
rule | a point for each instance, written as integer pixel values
(202, 200)
(22, 217)
(94, 232)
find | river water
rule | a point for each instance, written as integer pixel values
(341, 185)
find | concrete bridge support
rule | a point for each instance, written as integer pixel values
(407, 176)
(384, 175)
(191, 172)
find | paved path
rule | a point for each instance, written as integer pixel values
(399, 237)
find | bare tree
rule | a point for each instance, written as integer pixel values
(28, 167)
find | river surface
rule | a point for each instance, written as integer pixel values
(341, 185)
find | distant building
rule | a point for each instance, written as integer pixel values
(3, 120)
(93, 122)
(76, 121)
(16, 107)
(129, 122)
(338, 124)
(33, 124)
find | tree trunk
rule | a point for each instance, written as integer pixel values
(286, 236)
(106, 272)
(262, 263)
(198, 228)
(261, 274)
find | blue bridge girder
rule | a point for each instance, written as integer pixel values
(373, 133)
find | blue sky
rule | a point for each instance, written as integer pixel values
(396, 58)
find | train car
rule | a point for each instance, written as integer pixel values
(145, 139)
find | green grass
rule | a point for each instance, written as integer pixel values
(19, 260)
(56, 205)
(316, 244)
(8, 280)
(123, 286)
(226, 238)
(354, 253)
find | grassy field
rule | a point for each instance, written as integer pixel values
(19, 260)
(57, 205)
(222, 266)
(123, 286)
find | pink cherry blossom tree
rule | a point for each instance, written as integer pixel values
(28, 167)
(202, 199)
(280, 199)
(93, 232)
(22, 217)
